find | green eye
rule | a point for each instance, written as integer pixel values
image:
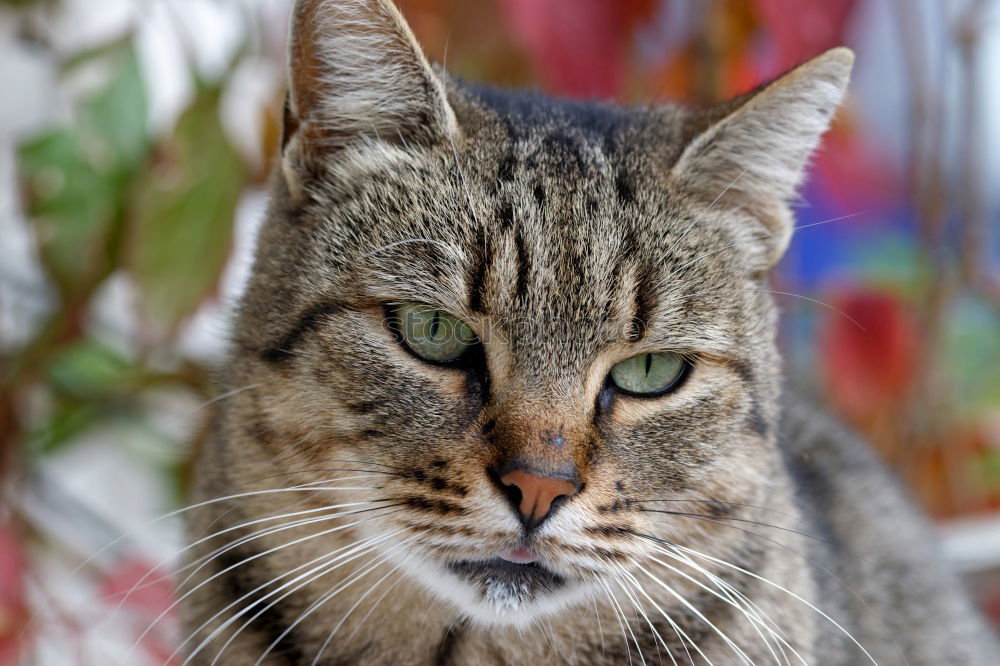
(433, 335)
(649, 374)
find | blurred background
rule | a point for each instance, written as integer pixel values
(136, 137)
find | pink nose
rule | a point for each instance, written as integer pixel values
(537, 493)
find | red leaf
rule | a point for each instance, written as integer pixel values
(147, 593)
(152, 593)
(852, 174)
(868, 364)
(802, 29)
(580, 46)
(13, 604)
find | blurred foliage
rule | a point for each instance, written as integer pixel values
(183, 209)
(78, 179)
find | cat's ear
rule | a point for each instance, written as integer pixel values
(356, 74)
(752, 152)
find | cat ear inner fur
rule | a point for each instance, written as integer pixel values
(357, 75)
(754, 156)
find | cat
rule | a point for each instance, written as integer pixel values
(504, 389)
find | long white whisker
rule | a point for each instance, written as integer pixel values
(687, 604)
(638, 607)
(678, 269)
(751, 610)
(785, 293)
(214, 535)
(454, 252)
(326, 559)
(180, 600)
(319, 602)
(354, 606)
(354, 551)
(185, 509)
(204, 560)
(681, 634)
(227, 394)
(625, 626)
(600, 629)
(754, 620)
(379, 600)
(783, 589)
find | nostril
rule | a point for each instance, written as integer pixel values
(511, 491)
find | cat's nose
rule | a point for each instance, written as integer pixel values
(533, 495)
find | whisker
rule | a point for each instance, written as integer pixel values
(779, 587)
(202, 561)
(357, 603)
(432, 241)
(226, 395)
(713, 501)
(359, 550)
(330, 557)
(319, 602)
(785, 293)
(141, 583)
(752, 610)
(681, 634)
(600, 629)
(753, 621)
(678, 269)
(187, 594)
(313, 471)
(675, 547)
(687, 604)
(720, 521)
(623, 622)
(638, 607)
(379, 600)
(185, 509)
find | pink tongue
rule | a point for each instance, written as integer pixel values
(518, 556)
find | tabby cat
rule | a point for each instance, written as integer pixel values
(504, 389)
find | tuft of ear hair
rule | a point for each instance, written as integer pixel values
(356, 73)
(754, 150)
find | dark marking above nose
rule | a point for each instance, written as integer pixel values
(554, 437)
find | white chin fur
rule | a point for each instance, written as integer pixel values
(499, 608)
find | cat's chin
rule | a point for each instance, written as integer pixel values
(496, 592)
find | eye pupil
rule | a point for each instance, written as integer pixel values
(435, 324)
(649, 363)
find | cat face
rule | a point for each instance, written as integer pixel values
(539, 330)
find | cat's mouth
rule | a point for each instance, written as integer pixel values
(508, 581)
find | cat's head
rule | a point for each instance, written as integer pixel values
(532, 322)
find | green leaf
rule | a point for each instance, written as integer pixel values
(71, 205)
(90, 371)
(972, 357)
(69, 421)
(184, 210)
(76, 178)
(118, 115)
